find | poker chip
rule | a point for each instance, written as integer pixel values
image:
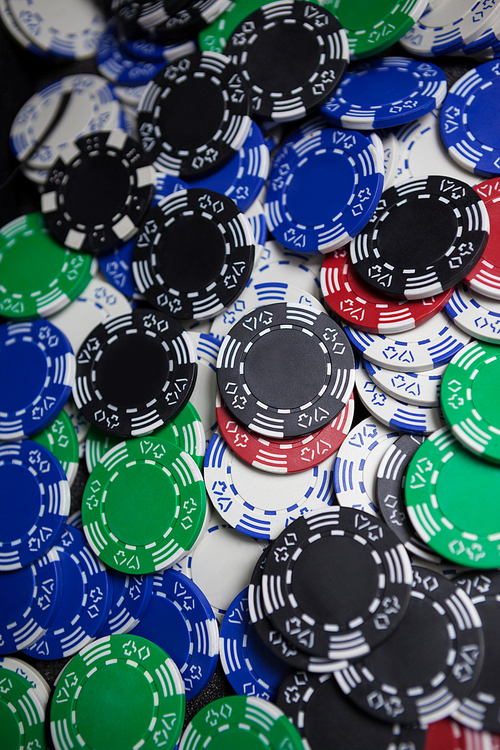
(14, 30)
(131, 596)
(281, 457)
(323, 189)
(251, 361)
(97, 192)
(80, 424)
(267, 47)
(428, 664)
(337, 621)
(468, 399)
(448, 735)
(356, 465)
(441, 479)
(137, 533)
(29, 673)
(205, 390)
(85, 602)
(22, 714)
(366, 308)
(290, 270)
(396, 414)
(121, 686)
(30, 599)
(389, 492)
(385, 92)
(418, 388)
(134, 373)
(58, 275)
(114, 62)
(193, 254)
(432, 344)
(178, 141)
(179, 618)
(248, 665)
(274, 253)
(149, 50)
(60, 438)
(244, 720)
(445, 256)
(475, 314)
(485, 276)
(130, 95)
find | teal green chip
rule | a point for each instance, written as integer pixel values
(22, 717)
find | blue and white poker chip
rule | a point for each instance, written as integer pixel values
(249, 666)
(419, 388)
(115, 63)
(475, 314)
(385, 92)
(323, 190)
(131, 597)
(180, 620)
(290, 270)
(150, 51)
(205, 389)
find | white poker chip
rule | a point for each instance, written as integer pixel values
(430, 345)
(64, 29)
(205, 390)
(14, 30)
(36, 680)
(290, 271)
(475, 314)
(99, 301)
(357, 462)
(418, 420)
(130, 95)
(390, 148)
(419, 388)
(80, 423)
(92, 106)
(274, 251)
(38, 176)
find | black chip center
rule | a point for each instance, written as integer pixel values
(96, 191)
(191, 253)
(285, 369)
(417, 233)
(132, 371)
(283, 57)
(191, 114)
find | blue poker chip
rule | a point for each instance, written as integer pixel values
(323, 189)
(180, 620)
(30, 598)
(34, 503)
(243, 177)
(43, 354)
(86, 601)
(468, 120)
(249, 666)
(115, 63)
(385, 92)
(131, 597)
(150, 51)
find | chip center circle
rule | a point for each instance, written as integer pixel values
(192, 114)
(97, 190)
(385, 87)
(11, 735)
(16, 392)
(18, 489)
(484, 386)
(485, 100)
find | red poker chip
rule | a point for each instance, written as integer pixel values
(362, 307)
(448, 735)
(284, 457)
(485, 276)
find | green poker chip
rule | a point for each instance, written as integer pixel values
(22, 716)
(119, 692)
(61, 439)
(469, 398)
(38, 275)
(450, 497)
(144, 505)
(185, 431)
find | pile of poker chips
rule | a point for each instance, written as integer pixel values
(272, 470)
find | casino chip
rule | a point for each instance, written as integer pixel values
(441, 479)
(116, 64)
(174, 136)
(85, 603)
(291, 270)
(485, 276)
(428, 664)
(205, 391)
(32, 675)
(241, 721)
(60, 438)
(193, 254)
(460, 227)
(323, 189)
(385, 92)
(248, 665)
(475, 314)
(134, 373)
(365, 308)
(279, 338)
(469, 399)
(329, 617)
(121, 688)
(131, 596)
(283, 457)
(97, 192)
(22, 714)
(418, 388)
(432, 344)
(14, 30)
(179, 618)
(30, 600)
(151, 51)
(137, 532)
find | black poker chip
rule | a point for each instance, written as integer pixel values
(336, 583)
(327, 720)
(98, 191)
(424, 237)
(429, 664)
(194, 254)
(285, 370)
(292, 54)
(134, 373)
(164, 21)
(194, 115)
